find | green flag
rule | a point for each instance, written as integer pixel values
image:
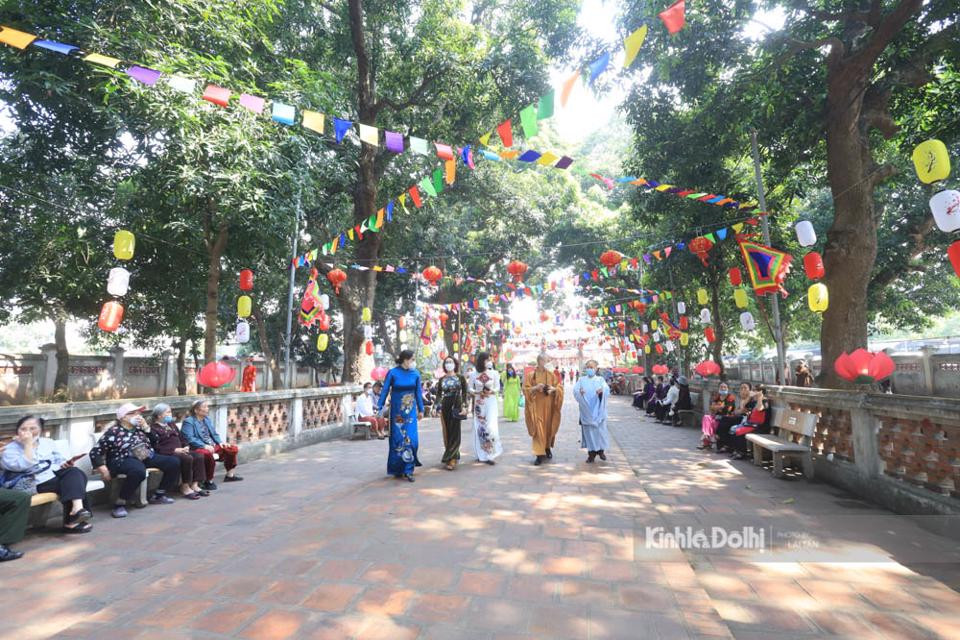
(545, 108)
(438, 180)
(528, 120)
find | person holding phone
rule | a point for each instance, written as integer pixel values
(34, 464)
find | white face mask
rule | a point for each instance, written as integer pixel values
(448, 367)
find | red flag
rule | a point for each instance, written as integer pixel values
(415, 194)
(674, 16)
(506, 133)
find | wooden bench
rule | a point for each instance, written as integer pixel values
(787, 423)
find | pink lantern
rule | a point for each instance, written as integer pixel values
(215, 374)
(864, 367)
(378, 373)
(707, 368)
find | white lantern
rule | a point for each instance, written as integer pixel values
(324, 301)
(367, 332)
(705, 316)
(646, 329)
(747, 321)
(243, 332)
(805, 233)
(681, 308)
(656, 336)
(118, 282)
(946, 210)
(669, 345)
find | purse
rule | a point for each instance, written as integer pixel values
(23, 480)
(141, 451)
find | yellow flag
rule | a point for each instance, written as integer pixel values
(737, 228)
(548, 158)
(663, 187)
(15, 38)
(313, 120)
(509, 154)
(485, 138)
(402, 199)
(370, 135)
(106, 61)
(350, 233)
(632, 45)
(450, 167)
(379, 218)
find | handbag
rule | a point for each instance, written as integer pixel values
(23, 480)
(141, 451)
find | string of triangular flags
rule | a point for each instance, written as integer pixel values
(697, 195)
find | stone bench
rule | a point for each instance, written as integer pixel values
(41, 504)
(791, 437)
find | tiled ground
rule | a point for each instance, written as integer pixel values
(318, 543)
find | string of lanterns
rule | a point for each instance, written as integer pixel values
(118, 282)
(932, 162)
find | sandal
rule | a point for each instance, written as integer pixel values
(84, 527)
(203, 492)
(192, 496)
(80, 516)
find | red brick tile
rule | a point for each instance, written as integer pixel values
(430, 578)
(481, 583)
(384, 573)
(435, 607)
(340, 569)
(385, 601)
(275, 625)
(177, 613)
(225, 619)
(290, 592)
(332, 597)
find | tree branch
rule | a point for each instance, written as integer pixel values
(885, 31)
(918, 244)
(414, 99)
(837, 49)
(329, 7)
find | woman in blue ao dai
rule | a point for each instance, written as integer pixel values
(402, 385)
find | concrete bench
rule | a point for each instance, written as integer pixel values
(791, 437)
(360, 430)
(140, 500)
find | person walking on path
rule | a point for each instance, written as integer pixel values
(543, 395)
(402, 385)
(591, 393)
(248, 381)
(511, 394)
(485, 386)
(452, 395)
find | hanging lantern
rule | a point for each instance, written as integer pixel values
(433, 275)
(647, 349)
(736, 278)
(701, 246)
(654, 324)
(659, 349)
(379, 373)
(953, 252)
(945, 207)
(709, 334)
(708, 368)
(427, 352)
(646, 329)
(747, 322)
(931, 161)
(864, 367)
(818, 297)
(610, 258)
(324, 301)
(215, 374)
(401, 323)
(593, 313)
(243, 332)
(368, 347)
(323, 322)
(813, 265)
(702, 296)
(517, 269)
(337, 277)
(705, 316)
(246, 280)
(621, 326)
(684, 324)
(544, 316)
(806, 235)
(443, 318)
(124, 244)
(244, 306)
(740, 298)
(366, 315)
(368, 332)
(111, 315)
(684, 339)
(118, 282)
(681, 308)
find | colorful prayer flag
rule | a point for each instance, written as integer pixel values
(632, 45)
(529, 156)
(393, 141)
(313, 120)
(674, 16)
(419, 145)
(53, 45)
(568, 88)
(505, 131)
(564, 162)
(528, 120)
(545, 106)
(184, 85)
(450, 170)
(147, 76)
(213, 93)
(18, 39)
(598, 67)
(415, 196)
(106, 61)
(340, 128)
(370, 135)
(253, 103)
(548, 158)
(444, 151)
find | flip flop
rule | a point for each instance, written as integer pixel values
(86, 527)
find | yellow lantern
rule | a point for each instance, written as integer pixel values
(244, 305)
(931, 161)
(123, 244)
(427, 352)
(440, 334)
(818, 297)
(654, 324)
(684, 339)
(740, 297)
(702, 296)
(322, 341)
(646, 348)
(365, 314)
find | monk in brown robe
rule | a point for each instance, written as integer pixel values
(543, 395)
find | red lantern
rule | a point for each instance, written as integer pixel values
(864, 367)
(401, 322)
(684, 323)
(659, 349)
(735, 277)
(544, 316)
(709, 334)
(369, 347)
(621, 326)
(433, 275)
(638, 370)
(707, 368)
(215, 374)
(443, 318)
(246, 280)
(323, 322)
(593, 312)
(517, 269)
(610, 258)
(954, 254)
(701, 246)
(813, 265)
(111, 315)
(337, 277)
(660, 369)
(641, 307)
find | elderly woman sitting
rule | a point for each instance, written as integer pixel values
(166, 439)
(202, 437)
(34, 464)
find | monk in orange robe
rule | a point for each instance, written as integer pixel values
(543, 395)
(249, 380)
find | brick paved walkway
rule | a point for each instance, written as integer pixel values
(318, 543)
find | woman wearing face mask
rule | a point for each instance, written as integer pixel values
(511, 394)
(485, 387)
(452, 392)
(402, 385)
(166, 439)
(722, 405)
(124, 448)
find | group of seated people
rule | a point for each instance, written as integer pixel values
(731, 418)
(31, 464)
(664, 401)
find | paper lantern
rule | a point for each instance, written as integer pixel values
(747, 322)
(324, 301)
(636, 370)
(433, 275)
(705, 316)
(659, 349)
(702, 297)
(124, 244)
(593, 312)
(517, 269)
(244, 305)
(931, 161)
(684, 324)
(366, 315)
(215, 374)
(709, 334)
(813, 265)
(336, 277)
(368, 347)
(610, 258)
(684, 339)
(818, 297)
(401, 323)
(378, 373)
(736, 278)
(701, 246)
(368, 332)
(953, 252)
(118, 282)
(427, 352)
(945, 207)
(681, 307)
(647, 349)
(806, 235)
(243, 332)
(323, 322)
(864, 367)
(111, 315)
(708, 368)
(654, 324)
(323, 340)
(740, 298)
(246, 280)
(443, 318)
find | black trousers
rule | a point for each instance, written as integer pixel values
(724, 439)
(449, 409)
(136, 472)
(69, 484)
(14, 510)
(662, 410)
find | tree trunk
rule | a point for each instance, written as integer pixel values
(268, 354)
(215, 249)
(182, 366)
(62, 380)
